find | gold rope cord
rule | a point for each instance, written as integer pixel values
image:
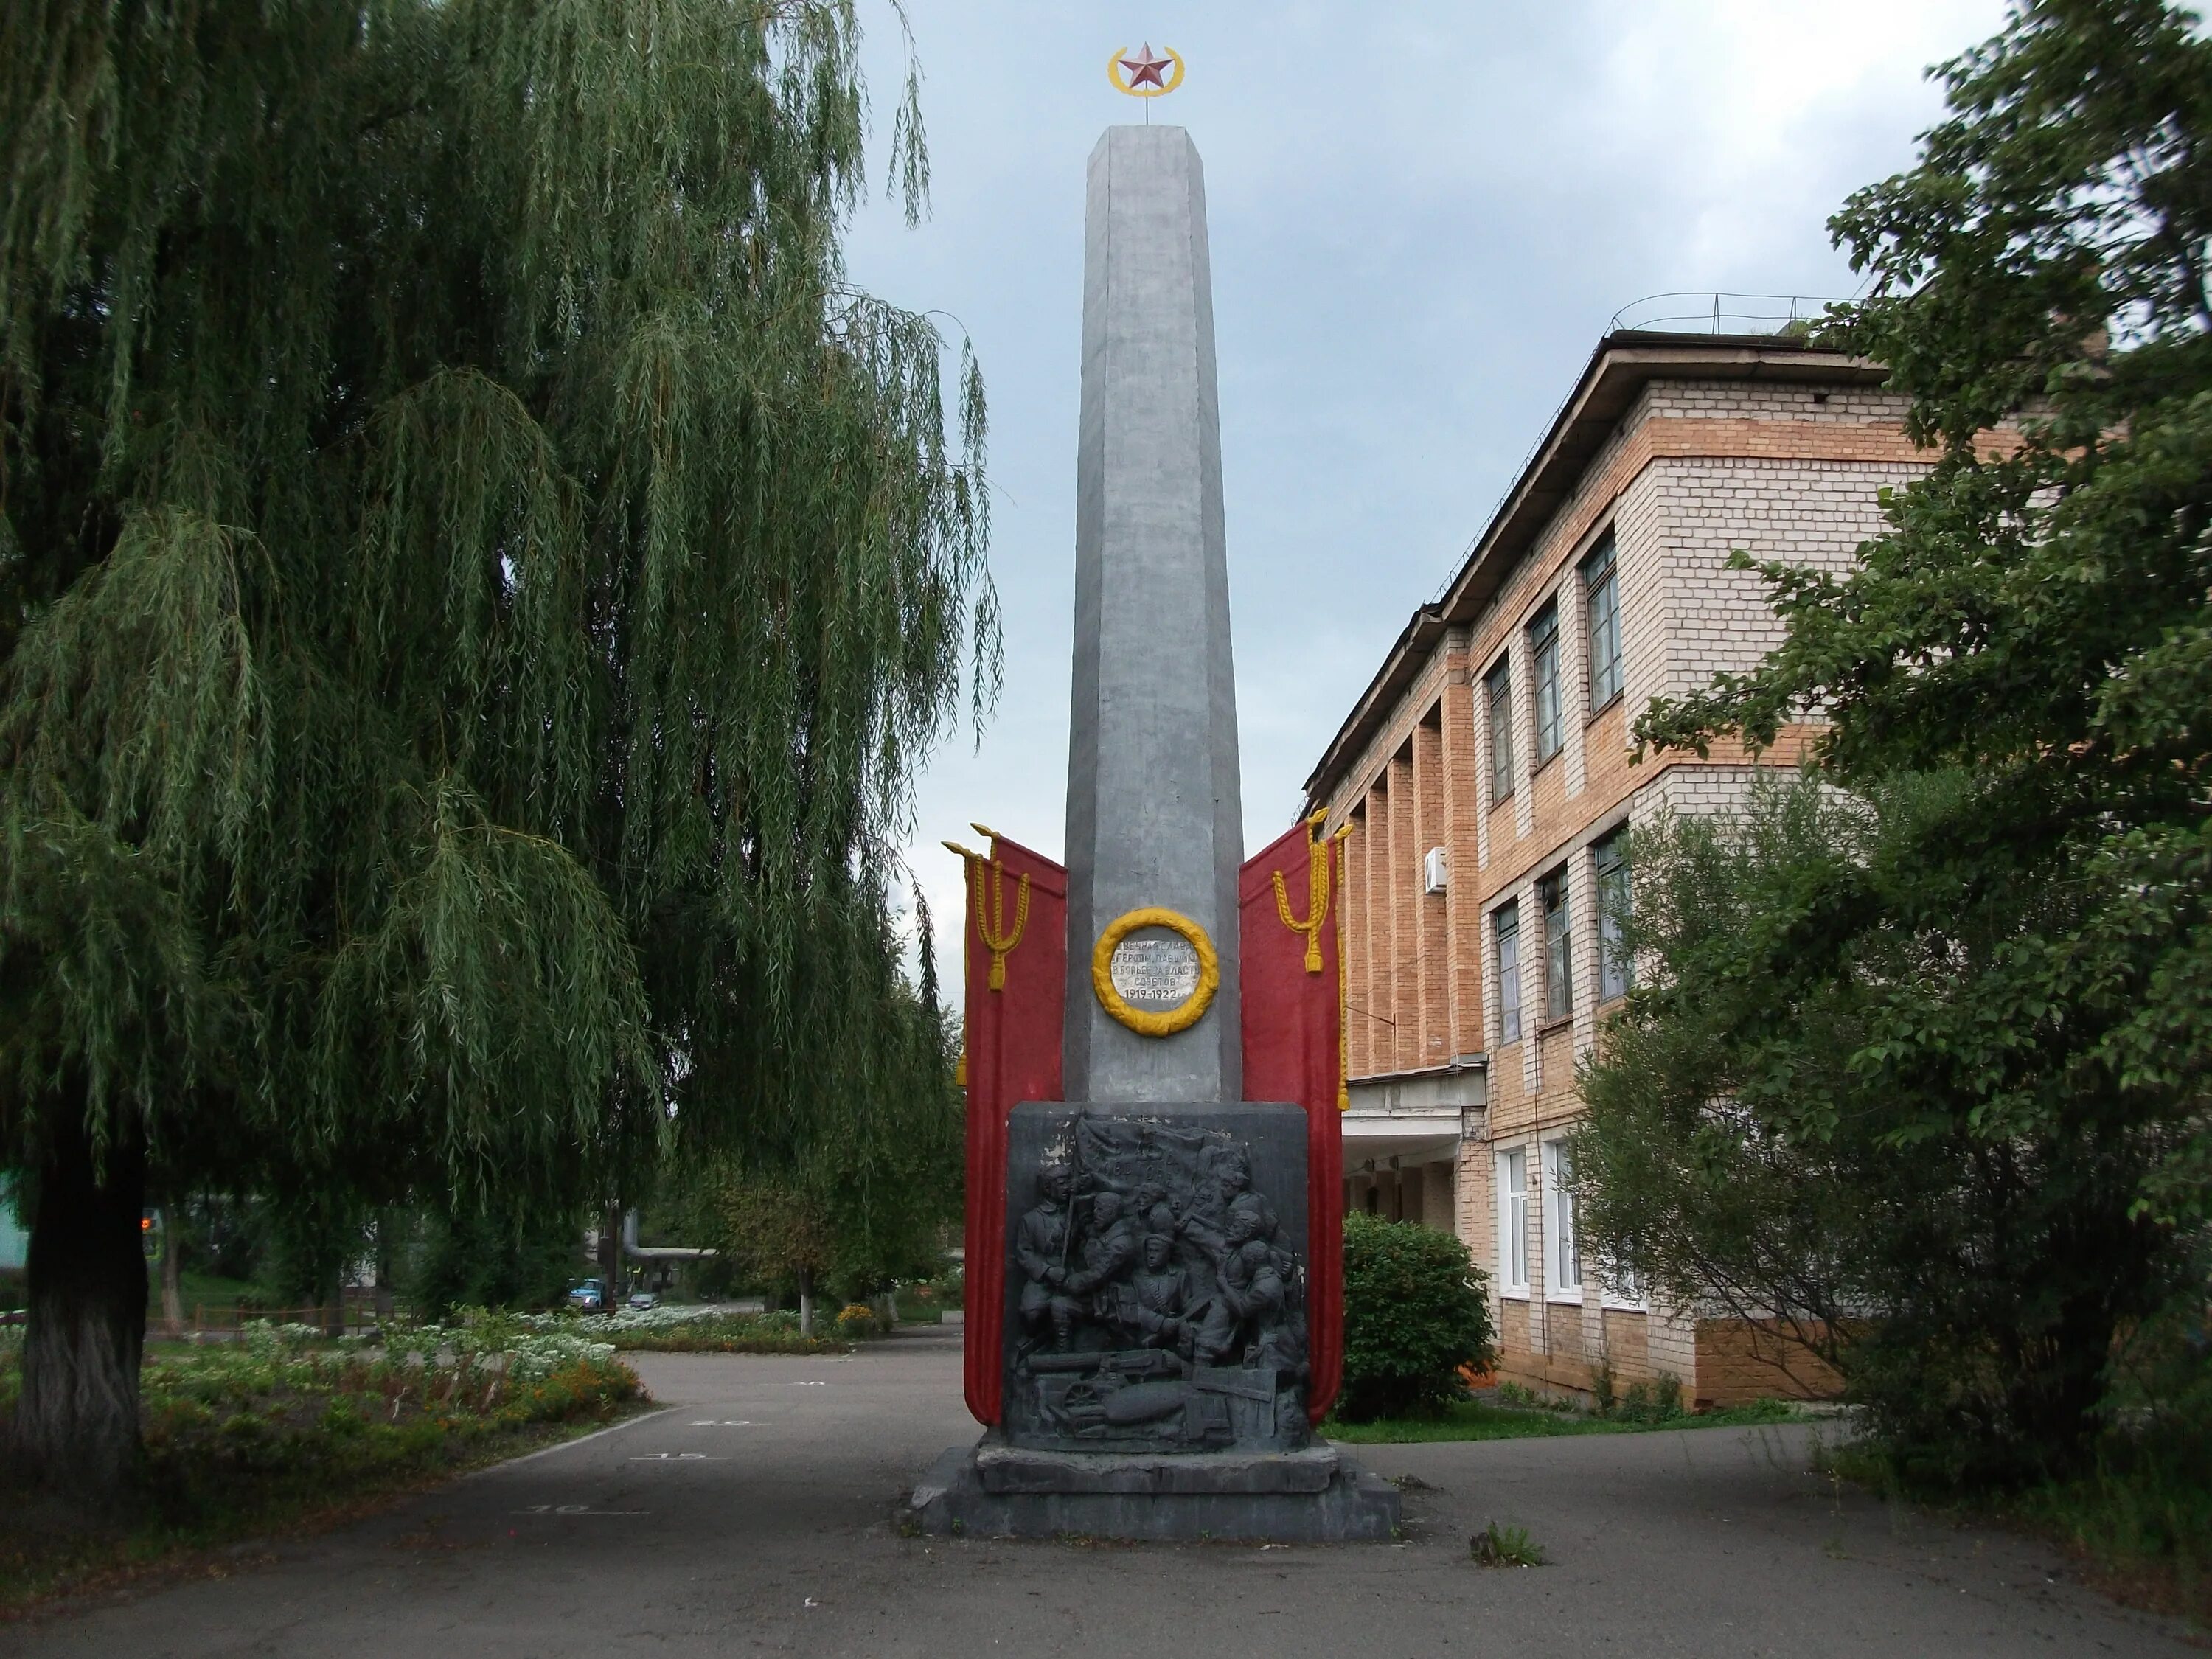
(992, 929)
(1343, 992)
(1316, 893)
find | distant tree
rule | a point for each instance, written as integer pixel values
(475, 578)
(478, 1257)
(1982, 1012)
(868, 1200)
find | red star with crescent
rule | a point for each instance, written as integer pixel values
(1145, 71)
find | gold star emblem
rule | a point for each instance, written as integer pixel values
(1145, 74)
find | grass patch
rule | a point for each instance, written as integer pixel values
(1480, 1420)
(1505, 1547)
(277, 1434)
(678, 1329)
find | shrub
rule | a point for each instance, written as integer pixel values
(1658, 1400)
(856, 1319)
(1416, 1308)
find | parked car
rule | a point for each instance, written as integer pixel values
(642, 1300)
(587, 1296)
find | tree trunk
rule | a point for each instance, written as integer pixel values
(173, 1267)
(610, 1241)
(806, 1302)
(77, 1421)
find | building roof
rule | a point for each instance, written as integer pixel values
(1624, 362)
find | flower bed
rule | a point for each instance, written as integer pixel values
(282, 1430)
(688, 1330)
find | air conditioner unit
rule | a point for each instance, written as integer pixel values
(1432, 871)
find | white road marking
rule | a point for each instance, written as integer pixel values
(575, 1509)
(570, 1445)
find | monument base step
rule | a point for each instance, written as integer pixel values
(1315, 1496)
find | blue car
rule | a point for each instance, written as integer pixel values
(585, 1296)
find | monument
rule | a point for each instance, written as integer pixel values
(1153, 1302)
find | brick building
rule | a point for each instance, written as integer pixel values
(1485, 774)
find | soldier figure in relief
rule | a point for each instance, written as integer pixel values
(1041, 1247)
(1151, 1304)
(1250, 1300)
(1109, 1249)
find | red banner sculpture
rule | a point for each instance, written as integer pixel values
(1293, 1031)
(1016, 984)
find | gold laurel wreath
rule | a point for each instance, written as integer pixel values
(1121, 85)
(1146, 1022)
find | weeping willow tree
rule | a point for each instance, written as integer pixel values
(877, 1202)
(477, 577)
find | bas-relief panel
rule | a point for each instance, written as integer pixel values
(1157, 1278)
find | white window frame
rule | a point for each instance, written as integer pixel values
(1546, 715)
(1563, 1247)
(1610, 884)
(1602, 623)
(1497, 725)
(1624, 1298)
(1508, 976)
(1556, 923)
(1513, 1223)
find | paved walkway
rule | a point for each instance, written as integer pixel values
(758, 1514)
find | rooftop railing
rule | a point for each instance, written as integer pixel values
(1722, 314)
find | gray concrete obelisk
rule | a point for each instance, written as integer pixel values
(1154, 816)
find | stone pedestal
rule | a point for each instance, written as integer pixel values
(1155, 1359)
(1316, 1495)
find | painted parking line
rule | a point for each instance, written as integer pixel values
(676, 1457)
(571, 1445)
(564, 1510)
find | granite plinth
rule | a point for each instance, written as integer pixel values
(1004, 1469)
(1263, 1497)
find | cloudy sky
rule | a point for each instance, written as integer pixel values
(1422, 216)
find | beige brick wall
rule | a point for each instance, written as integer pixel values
(1694, 471)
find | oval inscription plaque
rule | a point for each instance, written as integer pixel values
(1155, 971)
(1157, 968)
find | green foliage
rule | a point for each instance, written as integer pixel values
(253, 1438)
(523, 1257)
(1415, 1312)
(1652, 1400)
(1955, 1039)
(476, 580)
(866, 1208)
(1505, 1547)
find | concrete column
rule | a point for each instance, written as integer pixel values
(1403, 895)
(1432, 1039)
(1154, 816)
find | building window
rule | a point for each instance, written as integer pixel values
(1602, 610)
(1558, 950)
(1563, 1250)
(1497, 692)
(1513, 1221)
(1509, 973)
(1609, 862)
(1544, 661)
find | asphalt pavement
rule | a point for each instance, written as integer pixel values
(757, 1511)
